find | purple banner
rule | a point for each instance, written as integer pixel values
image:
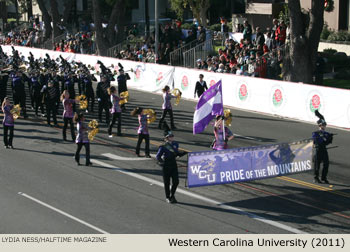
(246, 164)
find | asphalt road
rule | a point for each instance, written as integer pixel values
(44, 191)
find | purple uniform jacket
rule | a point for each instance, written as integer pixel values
(143, 125)
(8, 117)
(68, 108)
(82, 136)
(115, 104)
(220, 143)
(167, 101)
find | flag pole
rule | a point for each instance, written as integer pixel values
(223, 127)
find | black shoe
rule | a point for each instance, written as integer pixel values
(317, 180)
(173, 200)
(11, 147)
(138, 155)
(325, 181)
(148, 156)
(88, 164)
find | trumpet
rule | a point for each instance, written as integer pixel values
(228, 117)
(124, 97)
(16, 111)
(177, 93)
(83, 103)
(151, 115)
(93, 125)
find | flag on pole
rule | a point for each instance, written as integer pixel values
(209, 105)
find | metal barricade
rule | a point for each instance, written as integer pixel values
(200, 51)
(111, 51)
(176, 56)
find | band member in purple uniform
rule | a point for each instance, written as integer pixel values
(115, 111)
(142, 131)
(68, 114)
(82, 139)
(8, 123)
(220, 142)
(167, 108)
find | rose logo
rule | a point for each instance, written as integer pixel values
(315, 103)
(212, 82)
(243, 92)
(159, 78)
(184, 83)
(137, 74)
(277, 98)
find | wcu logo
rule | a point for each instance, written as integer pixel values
(205, 172)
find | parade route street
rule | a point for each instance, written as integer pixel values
(44, 191)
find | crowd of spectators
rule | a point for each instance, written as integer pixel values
(260, 55)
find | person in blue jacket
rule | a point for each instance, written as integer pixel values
(166, 157)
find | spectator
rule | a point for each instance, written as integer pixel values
(260, 38)
(247, 32)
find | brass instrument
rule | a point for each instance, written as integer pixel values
(228, 117)
(124, 97)
(16, 111)
(177, 93)
(83, 103)
(151, 115)
(130, 70)
(93, 125)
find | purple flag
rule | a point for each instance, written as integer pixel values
(209, 105)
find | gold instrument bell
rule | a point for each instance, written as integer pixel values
(83, 103)
(16, 111)
(176, 92)
(93, 125)
(228, 117)
(124, 97)
(151, 115)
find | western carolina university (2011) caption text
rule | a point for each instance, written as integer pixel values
(237, 242)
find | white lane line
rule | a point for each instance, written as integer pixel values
(116, 157)
(202, 198)
(63, 213)
(246, 137)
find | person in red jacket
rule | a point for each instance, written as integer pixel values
(281, 34)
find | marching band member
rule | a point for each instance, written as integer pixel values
(86, 78)
(51, 98)
(103, 97)
(3, 84)
(115, 111)
(8, 123)
(122, 87)
(82, 139)
(142, 131)
(19, 94)
(166, 157)
(69, 84)
(321, 139)
(167, 108)
(35, 92)
(220, 142)
(67, 114)
(201, 86)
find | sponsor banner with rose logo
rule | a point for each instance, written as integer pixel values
(286, 99)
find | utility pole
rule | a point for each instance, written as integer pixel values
(146, 19)
(156, 28)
